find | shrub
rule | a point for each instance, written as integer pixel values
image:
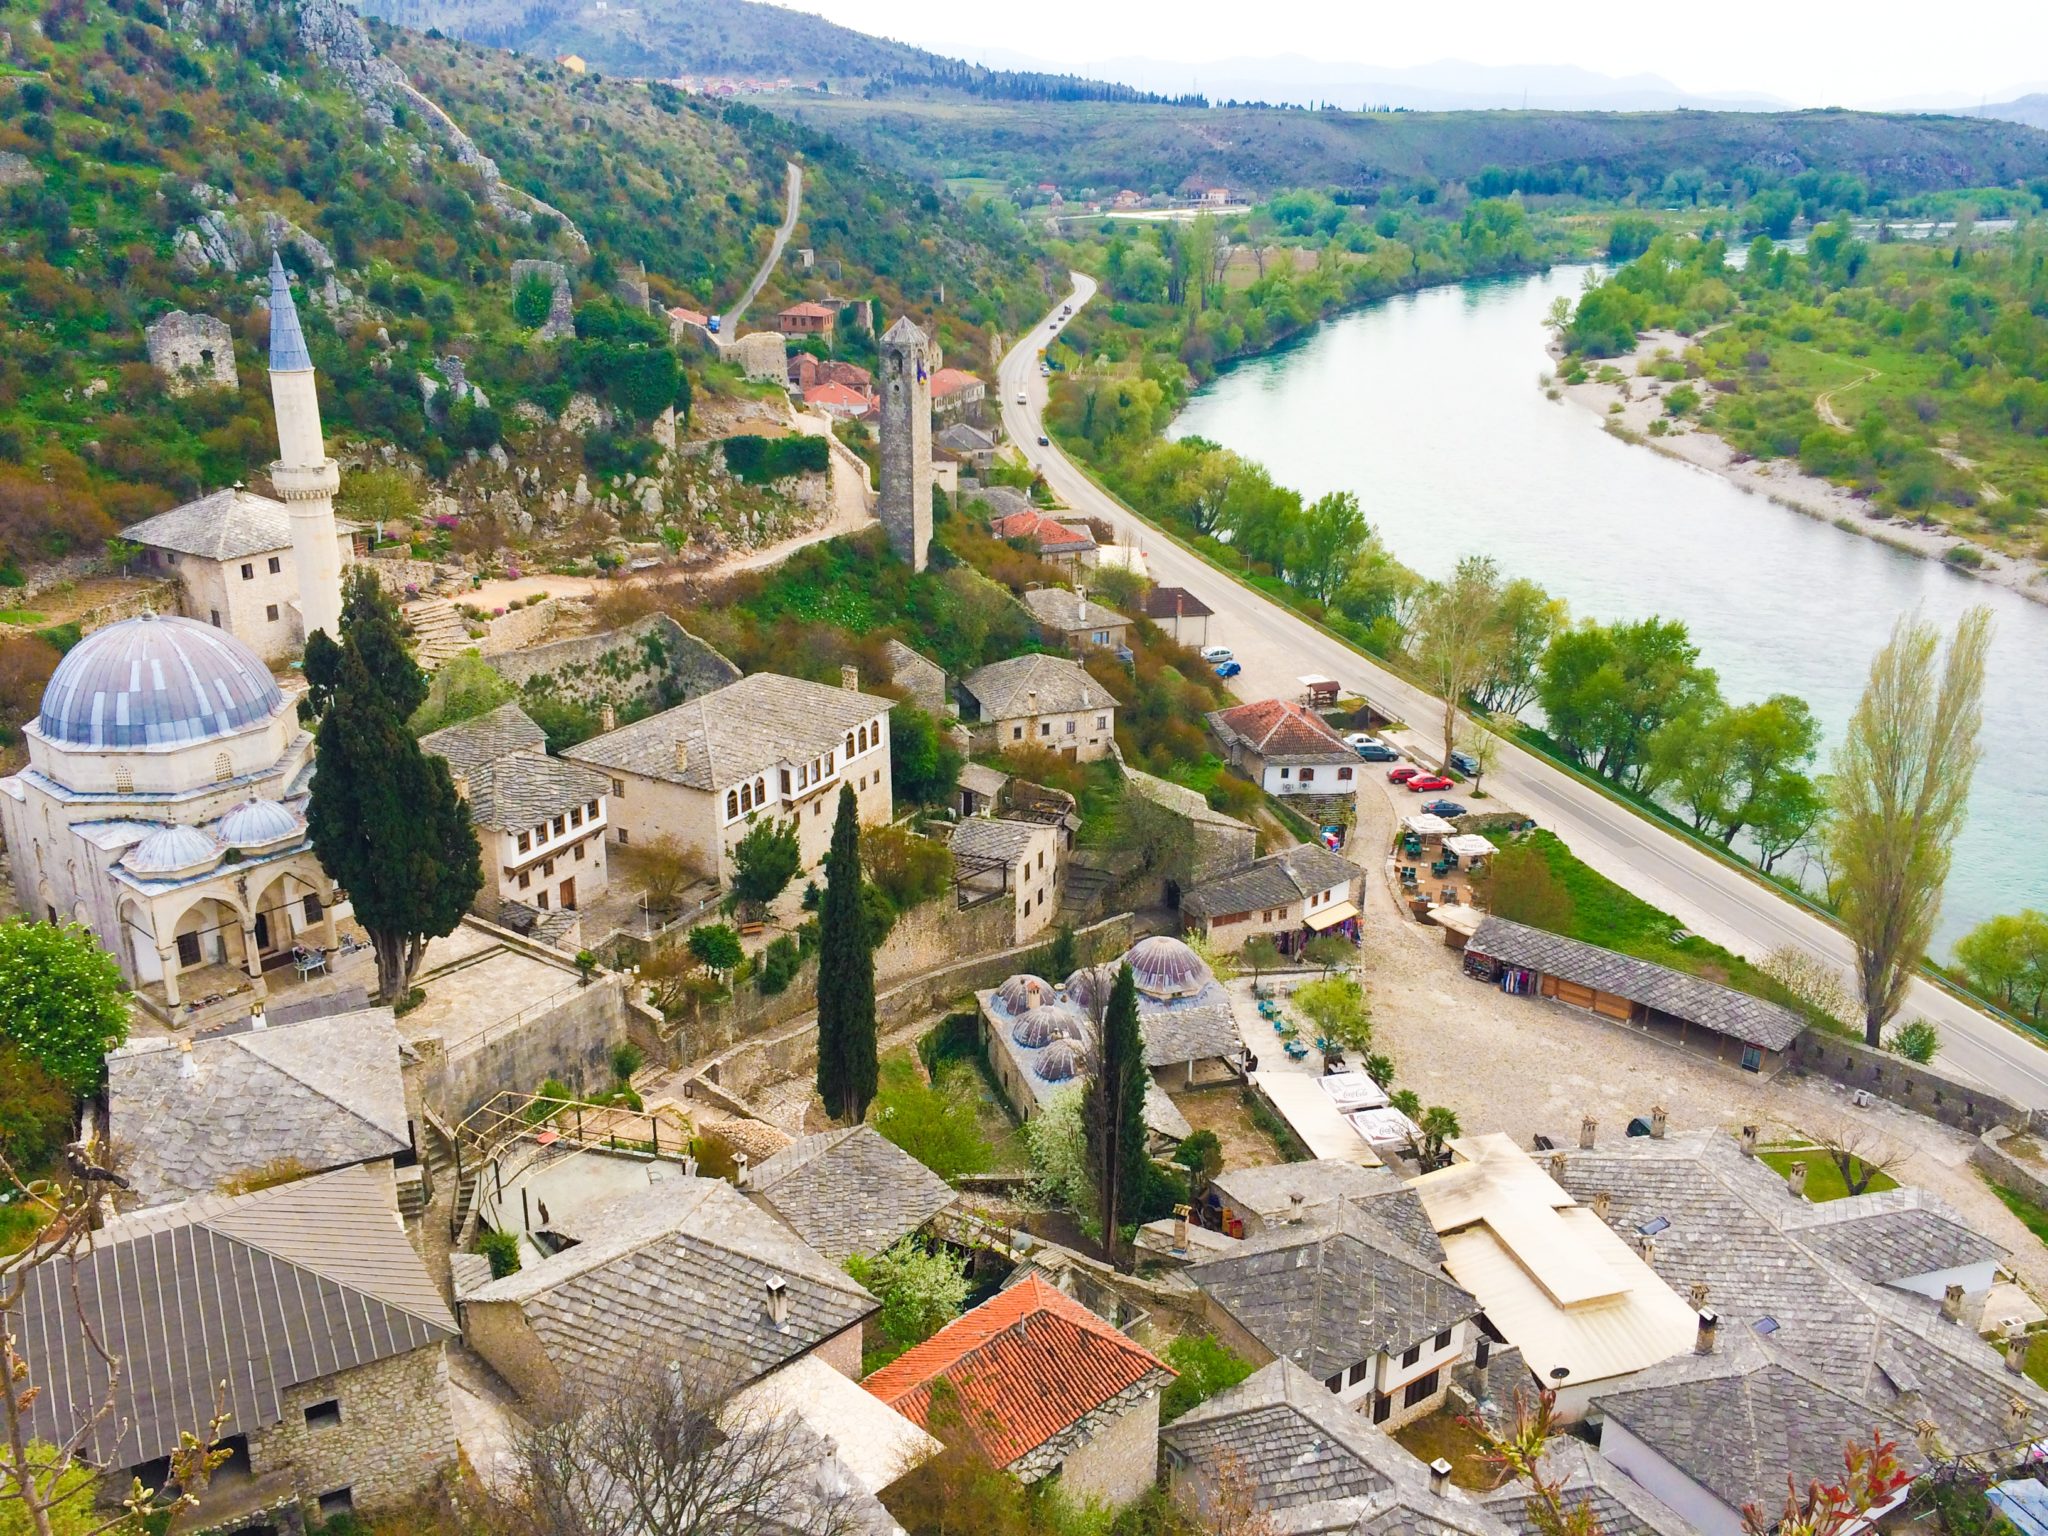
(716, 947)
(502, 1249)
(758, 460)
(1916, 1040)
(536, 296)
(36, 1112)
(934, 1122)
(920, 1289)
(780, 962)
(908, 868)
(1206, 1366)
(626, 1060)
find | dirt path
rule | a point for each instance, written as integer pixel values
(1824, 402)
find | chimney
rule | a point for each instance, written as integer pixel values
(689, 1165)
(1296, 1202)
(739, 1169)
(1031, 702)
(607, 718)
(1657, 1119)
(1439, 1477)
(1748, 1142)
(2016, 1415)
(1952, 1304)
(1180, 1228)
(778, 1301)
(1588, 1129)
(1703, 1339)
(682, 755)
(1698, 1296)
(1602, 1202)
(1557, 1167)
(187, 1067)
(849, 678)
(256, 1019)
(1080, 603)
(2016, 1352)
(461, 785)
(1795, 1181)
(1927, 1435)
(1648, 1248)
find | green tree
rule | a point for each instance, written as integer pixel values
(385, 819)
(1330, 951)
(764, 861)
(716, 947)
(1205, 1365)
(1457, 635)
(463, 687)
(1057, 1137)
(1526, 620)
(1438, 1125)
(847, 1067)
(1900, 791)
(532, 300)
(2006, 959)
(1916, 1040)
(1336, 1006)
(1326, 540)
(62, 1000)
(1608, 688)
(924, 765)
(921, 1290)
(1202, 1155)
(1114, 1100)
(36, 1113)
(936, 1122)
(1260, 954)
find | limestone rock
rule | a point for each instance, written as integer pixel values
(583, 414)
(16, 171)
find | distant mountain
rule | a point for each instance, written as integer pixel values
(2031, 110)
(738, 41)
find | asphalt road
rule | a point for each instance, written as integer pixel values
(1277, 648)
(792, 201)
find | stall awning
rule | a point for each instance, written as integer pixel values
(1468, 845)
(1330, 917)
(1426, 825)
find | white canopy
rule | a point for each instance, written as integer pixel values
(1426, 825)
(1459, 919)
(1384, 1127)
(1353, 1090)
(1469, 845)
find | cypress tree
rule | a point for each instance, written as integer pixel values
(1115, 1109)
(847, 1067)
(385, 818)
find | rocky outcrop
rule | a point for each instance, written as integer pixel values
(15, 170)
(225, 241)
(192, 352)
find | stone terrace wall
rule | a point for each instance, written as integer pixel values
(654, 657)
(2024, 1176)
(572, 1040)
(1923, 1090)
(522, 627)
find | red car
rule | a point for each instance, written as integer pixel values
(1402, 775)
(1426, 782)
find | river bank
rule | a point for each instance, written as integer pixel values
(1641, 397)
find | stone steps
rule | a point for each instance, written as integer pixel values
(438, 631)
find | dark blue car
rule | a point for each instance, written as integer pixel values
(1228, 668)
(1448, 809)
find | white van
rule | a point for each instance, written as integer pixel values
(1215, 653)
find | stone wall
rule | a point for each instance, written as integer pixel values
(166, 596)
(2026, 1176)
(571, 1040)
(522, 628)
(395, 1439)
(396, 572)
(192, 352)
(1889, 1076)
(653, 660)
(1118, 1457)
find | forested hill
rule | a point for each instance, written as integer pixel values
(1267, 149)
(734, 40)
(148, 163)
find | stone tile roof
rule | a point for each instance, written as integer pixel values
(963, 438)
(991, 837)
(1070, 612)
(1895, 1235)
(1621, 1506)
(1704, 1003)
(1026, 1366)
(1182, 801)
(739, 730)
(848, 1191)
(319, 1094)
(223, 525)
(1004, 689)
(523, 791)
(1174, 603)
(1730, 1224)
(1278, 880)
(1377, 1194)
(1281, 731)
(474, 744)
(1333, 1291)
(261, 1291)
(1192, 1029)
(681, 1267)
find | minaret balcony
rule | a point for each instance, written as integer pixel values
(306, 482)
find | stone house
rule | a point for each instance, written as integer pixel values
(1294, 895)
(968, 446)
(807, 370)
(1285, 748)
(541, 821)
(955, 391)
(1044, 1386)
(806, 319)
(767, 745)
(1018, 861)
(1187, 614)
(923, 679)
(192, 352)
(197, 1116)
(1350, 1302)
(1221, 843)
(331, 1351)
(1070, 547)
(685, 1269)
(1073, 620)
(760, 354)
(840, 400)
(1043, 701)
(847, 1191)
(1276, 1194)
(232, 554)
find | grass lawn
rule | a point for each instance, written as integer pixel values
(1824, 1180)
(20, 616)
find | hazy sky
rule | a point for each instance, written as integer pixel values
(1812, 52)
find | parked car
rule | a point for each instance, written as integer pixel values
(1378, 752)
(1427, 781)
(1450, 810)
(1229, 668)
(1215, 653)
(1465, 763)
(1402, 774)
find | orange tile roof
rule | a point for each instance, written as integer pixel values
(835, 394)
(1049, 532)
(947, 380)
(1025, 1365)
(1280, 727)
(811, 311)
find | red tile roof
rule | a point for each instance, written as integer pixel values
(1024, 1365)
(811, 311)
(829, 395)
(1282, 728)
(947, 380)
(1048, 533)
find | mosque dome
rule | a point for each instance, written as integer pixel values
(1165, 967)
(258, 824)
(172, 851)
(1063, 1061)
(1022, 992)
(1090, 986)
(156, 681)
(1043, 1025)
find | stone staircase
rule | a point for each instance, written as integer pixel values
(438, 631)
(440, 1161)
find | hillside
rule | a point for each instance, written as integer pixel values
(732, 40)
(148, 164)
(1166, 148)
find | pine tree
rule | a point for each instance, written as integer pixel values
(385, 818)
(1115, 1112)
(847, 1066)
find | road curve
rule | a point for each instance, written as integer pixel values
(792, 201)
(1277, 647)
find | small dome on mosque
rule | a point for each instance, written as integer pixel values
(1062, 1062)
(172, 851)
(1165, 967)
(259, 824)
(1022, 992)
(1041, 1026)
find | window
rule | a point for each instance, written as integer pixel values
(276, 565)
(124, 780)
(325, 1415)
(336, 1504)
(248, 571)
(622, 835)
(1411, 1354)
(576, 817)
(314, 909)
(579, 853)
(1102, 722)
(547, 867)
(1100, 637)
(590, 810)
(1336, 1382)
(732, 804)
(785, 783)
(1357, 1373)
(541, 900)
(525, 880)
(1307, 774)
(1286, 773)
(1045, 728)
(270, 612)
(1443, 1341)
(850, 749)
(1420, 1390)
(223, 767)
(1343, 774)
(1382, 1406)
(214, 613)
(561, 825)
(1070, 727)
(188, 946)
(1016, 733)
(525, 841)
(618, 789)
(1752, 1059)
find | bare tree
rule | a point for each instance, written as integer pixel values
(1457, 631)
(1815, 982)
(48, 1480)
(1859, 1154)
(1899, 793)
(672, 1454)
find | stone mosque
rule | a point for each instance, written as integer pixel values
(163, 805)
